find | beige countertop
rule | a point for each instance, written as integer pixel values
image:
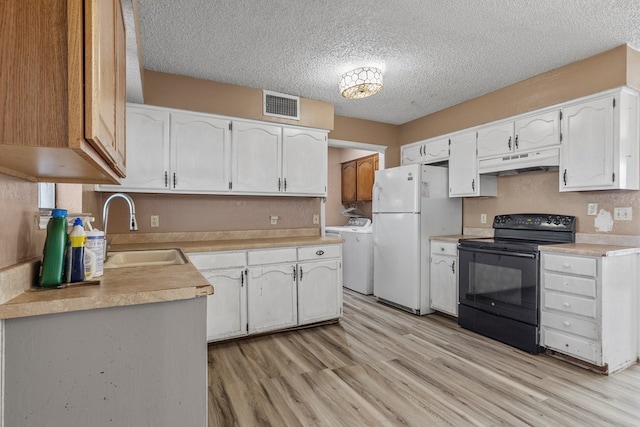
(128, 286)
(590, 249)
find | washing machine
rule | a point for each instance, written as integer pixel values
(357, 254)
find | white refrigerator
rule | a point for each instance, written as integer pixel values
(410, 204)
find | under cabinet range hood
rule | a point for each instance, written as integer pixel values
(525, 162)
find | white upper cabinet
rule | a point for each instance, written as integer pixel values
(537, 131)
(600, 143)
(464, 179)
(426, 152)
(495, 140)
(186, 152)
(256, 157)
(200, 153)
(526, 133)
(304, 161)
(148, 151)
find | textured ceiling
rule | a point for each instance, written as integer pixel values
(434, 53)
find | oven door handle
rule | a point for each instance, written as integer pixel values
(505, 253)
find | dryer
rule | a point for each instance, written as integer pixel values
(357, 254)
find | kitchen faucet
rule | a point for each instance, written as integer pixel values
(133, 223)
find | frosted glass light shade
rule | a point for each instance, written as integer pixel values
(361, 82)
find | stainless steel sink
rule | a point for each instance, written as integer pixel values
(144, 258)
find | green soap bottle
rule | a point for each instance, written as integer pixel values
(52, 266)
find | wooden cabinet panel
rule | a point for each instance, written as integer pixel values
(62, 115)
(357, 179)
(349, 182)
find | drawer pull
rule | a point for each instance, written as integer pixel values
(566, 305)
(566, 265)
(566, 323)
(441, 249)
(320, 252)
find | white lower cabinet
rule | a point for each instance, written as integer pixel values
(319, 283)
(444, 277)
(266, 290)
(588, 308)
(227, 308)
(272, 295)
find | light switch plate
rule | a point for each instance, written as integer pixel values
(483, 218)
(155, 221)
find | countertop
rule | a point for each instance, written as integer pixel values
(456, 237)
(590, 249)
(128, 286)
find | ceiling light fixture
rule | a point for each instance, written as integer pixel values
(361, 82)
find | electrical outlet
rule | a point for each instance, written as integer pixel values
(155, 221)
(316, 219)
(274, 219)
(483, 218)
(622, 214)
(592, 209)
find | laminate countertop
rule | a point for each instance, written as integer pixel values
(590, 249)
(127, 286)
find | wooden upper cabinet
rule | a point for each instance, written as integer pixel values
(62, 76)
(349, 182)
(357, 179)
(364, 180)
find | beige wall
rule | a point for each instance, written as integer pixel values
(537, 192)
(366, 131)
(188, 93)
(591, 75)
(193, 213)
(19, 238)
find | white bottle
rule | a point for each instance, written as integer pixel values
(95, 243)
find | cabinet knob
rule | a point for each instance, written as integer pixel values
(566, 323)
(566, 265)
(566, 305)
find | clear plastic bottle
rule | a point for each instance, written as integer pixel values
(52, 266)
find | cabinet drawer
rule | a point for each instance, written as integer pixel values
(561, 322)
(307, 253)
(570, 284)
(211, 260)
(271, 256)
(569, 304)
(572, 346)
(444, 248)
(570, 264)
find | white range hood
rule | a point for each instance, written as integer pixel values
(533, 160)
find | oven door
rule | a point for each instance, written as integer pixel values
(502, 283)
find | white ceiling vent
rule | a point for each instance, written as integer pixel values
(280, 105)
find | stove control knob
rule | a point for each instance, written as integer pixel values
(556, 221)
(549, 219)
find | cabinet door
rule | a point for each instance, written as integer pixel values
(272, 298)
(587, 152)
(411, 153)
(444, 286)
(435, 150)
(256, 158)
(349, 182)
(540, 130)
(227, 308)
(463, 165)
(495, 140)
(304, 161)
(319, 291)
(365, 171)
(104, 79)
(147, 151)
(200, 153)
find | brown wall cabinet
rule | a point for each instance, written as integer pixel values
(357, 179)
(62, 79)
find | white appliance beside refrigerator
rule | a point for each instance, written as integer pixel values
(410, 204)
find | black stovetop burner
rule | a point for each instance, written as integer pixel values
(525, 232)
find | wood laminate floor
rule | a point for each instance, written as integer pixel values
(382, 367)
